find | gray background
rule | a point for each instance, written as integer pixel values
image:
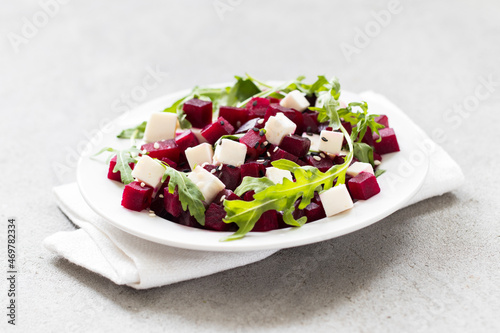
(430, 267)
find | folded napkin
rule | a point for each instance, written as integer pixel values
(128, 260)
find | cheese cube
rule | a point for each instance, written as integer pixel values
(314, 138)
(277, 175)
(161, 126)
(199, 154)
(336, 200)
(295, 100)
(358, 167)
(149, 171)
(331, 142)
(230, 152)
(277, 127)
(197, 134)
(208, 184)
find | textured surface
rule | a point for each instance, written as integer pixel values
(430, 267)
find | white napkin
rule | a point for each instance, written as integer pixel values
(141, 264)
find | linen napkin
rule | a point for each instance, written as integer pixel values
(128, 260)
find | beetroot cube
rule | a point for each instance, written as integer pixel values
(254, 140)
(235, 116)
(186, 139)
(317, 161)
(198, 112)
(257, 107)
(363, 186)
(267, 221)
(168, 161)
(296, 145)
(277, 154)
(348, 127)
(213, 218)
(171, 202)
(248, 196)
(291, 114)
(314, 211)
(230, 176)
(165, 148)
(225, 194)
(383, 120)
(137, 197)
(252, 169)
(389, 143)
(273, 100)
(116, 175)
(252, 123)
(377, 157)
(368, 137)
(311, 122)
(186, 219)
(214, 131)
(311, 99)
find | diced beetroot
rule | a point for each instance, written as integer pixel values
(311, 99)
(213, 218)
(267, 221)
(314, 211)
(171, 202)
(198, 112)
(116, 175)
(363, 186)
(252, 123)
(348, 127)
(338, 159)
(311, 122)
(291, 114)
(383, 120)
(252, 169)
(186, 219)
(254, 140)
(235, 116)
(186, 139)
(168, 161)
(317, 161)
(225, 194)
(230, 176)
(273, 100)
(301, 162)
(377, 157)
(389, 143)
(137, 197)
(209, 167)
(217, 129)
(295, 145)
(248, 196)
(257, 107)
(368, 137)
(166, 148)
(277, 154)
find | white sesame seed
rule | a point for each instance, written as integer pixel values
(151, 211)
(377, 162)
(204, 163)
(317, 158)
(156, 145)
(142, 184)
(265, 143)
(161, 196)
(322, 155)
(275, 148)
(268, 154)
(222, 198)
(260, 121)
(152, 214)
(212, 171)
(238, 123)
(144, 152)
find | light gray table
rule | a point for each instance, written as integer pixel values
(431, 267)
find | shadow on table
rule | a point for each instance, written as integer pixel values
(287, 287)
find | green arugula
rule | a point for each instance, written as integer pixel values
(190, 195)
(363, 152)
(136, 132)
(241, 90)
(253, 184)
(123, 159)
(362, 120)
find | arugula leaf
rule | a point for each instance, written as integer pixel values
(319, 85)
(253, 184)
(363, 152)
(243, 89)
(190, 195)
(379, 172)
(134, 132)
(123, 158)
(328, 105)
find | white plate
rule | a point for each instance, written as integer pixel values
(406, 171)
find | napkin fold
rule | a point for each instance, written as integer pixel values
(128, 260)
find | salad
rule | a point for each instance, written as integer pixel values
(253, 157)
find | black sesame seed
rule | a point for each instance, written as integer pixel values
(256, 145)
(231, 166)
(254, 103)
(186, 170)
(222, 122)
(308, 129)
(261, 133)
(309, 133)
(324, 139)
(255, 129)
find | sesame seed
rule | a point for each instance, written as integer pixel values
(255, 129)
(144, 152)
(152, 214)
(151, 211)
(317, 158)
(262, 133)
(219, 167)
(222, 198)
(254, 103)
(161, 196)
(322, 155)
(261, 160)
(377, 162)
(212, 171)
(221, 122)
(324, 139)
(203, 164)
(156, 145)
(260, 121)
(275, 148)
(265, 143)
(142, 184)
(230, 166)
(256, 145)
(268, 154)
(238, 123)
(309, 133)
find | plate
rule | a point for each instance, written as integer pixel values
(405, 173)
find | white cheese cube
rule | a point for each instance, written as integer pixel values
(200, 154)
(208, 184)
(197, 134)
(277, 175)
(331, 142)
(230, 152)
(295, 100)
(149, 171)
(336, 200)
(277, 127)
(358, 167)
(161, 126)
(314, 138)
